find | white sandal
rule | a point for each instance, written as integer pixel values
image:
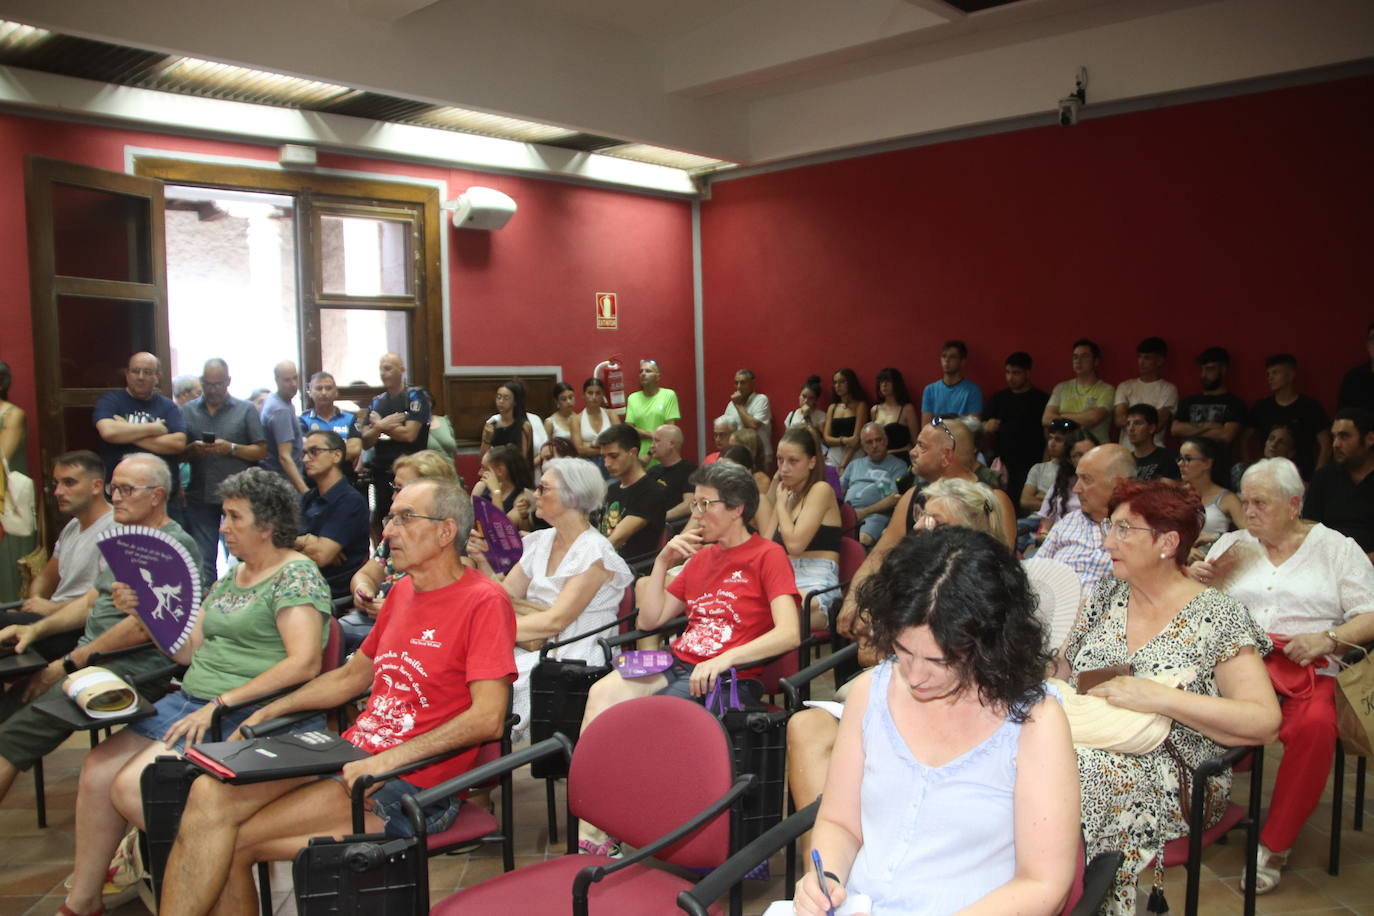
(1268, 865)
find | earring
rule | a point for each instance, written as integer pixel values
(1164, 556)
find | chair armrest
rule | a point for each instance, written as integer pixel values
(609, 644)
(219, 712)
(558, 644)
(1213, 766)
(791, 685)
(1098, 876)
(593, 873)
(99, 658)
(272, 726)
(340, 606)
(733, 870)
(363, 783)
(11, 605)
(414, 805)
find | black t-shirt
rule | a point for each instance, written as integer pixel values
(1157, 465)
(1304, 414)
(674, 479)
(416, 405)
(648, 499)
(1341, 504)
(1213, 408)
(1357, 388)
(1021, 440)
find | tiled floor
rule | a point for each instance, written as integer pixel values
(34, 862)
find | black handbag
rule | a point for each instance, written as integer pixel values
(558, 698)
(362, 875)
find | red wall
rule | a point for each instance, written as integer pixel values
(520, 296)
(1242, 222)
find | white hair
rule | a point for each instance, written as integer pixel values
(1280, 472)
(726, 420)
(583, 488)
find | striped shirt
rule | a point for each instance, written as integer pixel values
(1077, 540)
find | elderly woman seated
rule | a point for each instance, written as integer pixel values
(952, 788)
(1148, 622)
(1312, 590)
(569, 580)
(261, 629)
(738, 594)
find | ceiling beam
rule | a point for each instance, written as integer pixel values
(387, 10)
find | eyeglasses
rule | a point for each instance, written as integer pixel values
(124, 490)
(320, 450)
(405, 518)
(1187, 459)
(1120, 529)
(217, 385)
(702, 505)
(542, 488)
(939, 423)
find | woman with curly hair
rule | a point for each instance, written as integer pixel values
(952, 784)
(846, 415)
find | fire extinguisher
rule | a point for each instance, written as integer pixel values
(613, 377)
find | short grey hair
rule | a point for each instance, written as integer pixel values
(733, 482)
(155, 469)
(726, 420)
(184, 383)
(581, 486)
(450, 502)
(1280, 472)
(273, 502)
(875, 425)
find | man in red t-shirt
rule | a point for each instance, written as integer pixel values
(439, 663)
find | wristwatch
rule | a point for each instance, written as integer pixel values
(234, 448)
(68, 664)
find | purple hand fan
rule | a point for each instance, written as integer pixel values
(504, 546)
(163, 574)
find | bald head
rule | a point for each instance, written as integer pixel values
(392, 369)
(142, 375)
(965, 448)
(667, 444)
(288, 379)
(1098, 473)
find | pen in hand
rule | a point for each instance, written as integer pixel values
(820, 879)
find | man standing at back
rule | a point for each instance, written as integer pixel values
(1299, 411)
(397, 423)
(280, 427)
(139, 418)
(649, 408)
(1149, 388)
(324, 414)
(751, 410)
(632, 517)
(951, 393)
(1341, 496)
(1214, 413)
(1085, 398)
(78, 484)
(1013, 417)
(236, 442)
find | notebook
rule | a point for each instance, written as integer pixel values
(311, 753)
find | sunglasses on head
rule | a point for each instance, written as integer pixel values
(1063, 425)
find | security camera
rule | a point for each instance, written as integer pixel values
(1068, 111)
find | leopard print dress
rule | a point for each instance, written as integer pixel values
(1131, 802)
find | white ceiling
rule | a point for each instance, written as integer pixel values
(748, 81)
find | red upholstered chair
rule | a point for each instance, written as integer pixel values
(849, 521)
(680, 807)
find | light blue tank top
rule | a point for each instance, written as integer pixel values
(936, 839)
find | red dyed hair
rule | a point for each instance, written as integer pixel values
(1166, 505)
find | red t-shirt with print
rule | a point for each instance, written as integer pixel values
(426, 648)
(729, 595)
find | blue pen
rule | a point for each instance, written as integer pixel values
(820, 878)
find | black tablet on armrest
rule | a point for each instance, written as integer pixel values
(312, 753)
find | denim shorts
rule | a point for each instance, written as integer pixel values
(386, 804)
(176, 706)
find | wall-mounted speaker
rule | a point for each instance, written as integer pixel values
(481, 208)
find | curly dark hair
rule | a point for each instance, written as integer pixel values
(517, 466)
(1065, 477)
(979, 605)
(273, 502)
